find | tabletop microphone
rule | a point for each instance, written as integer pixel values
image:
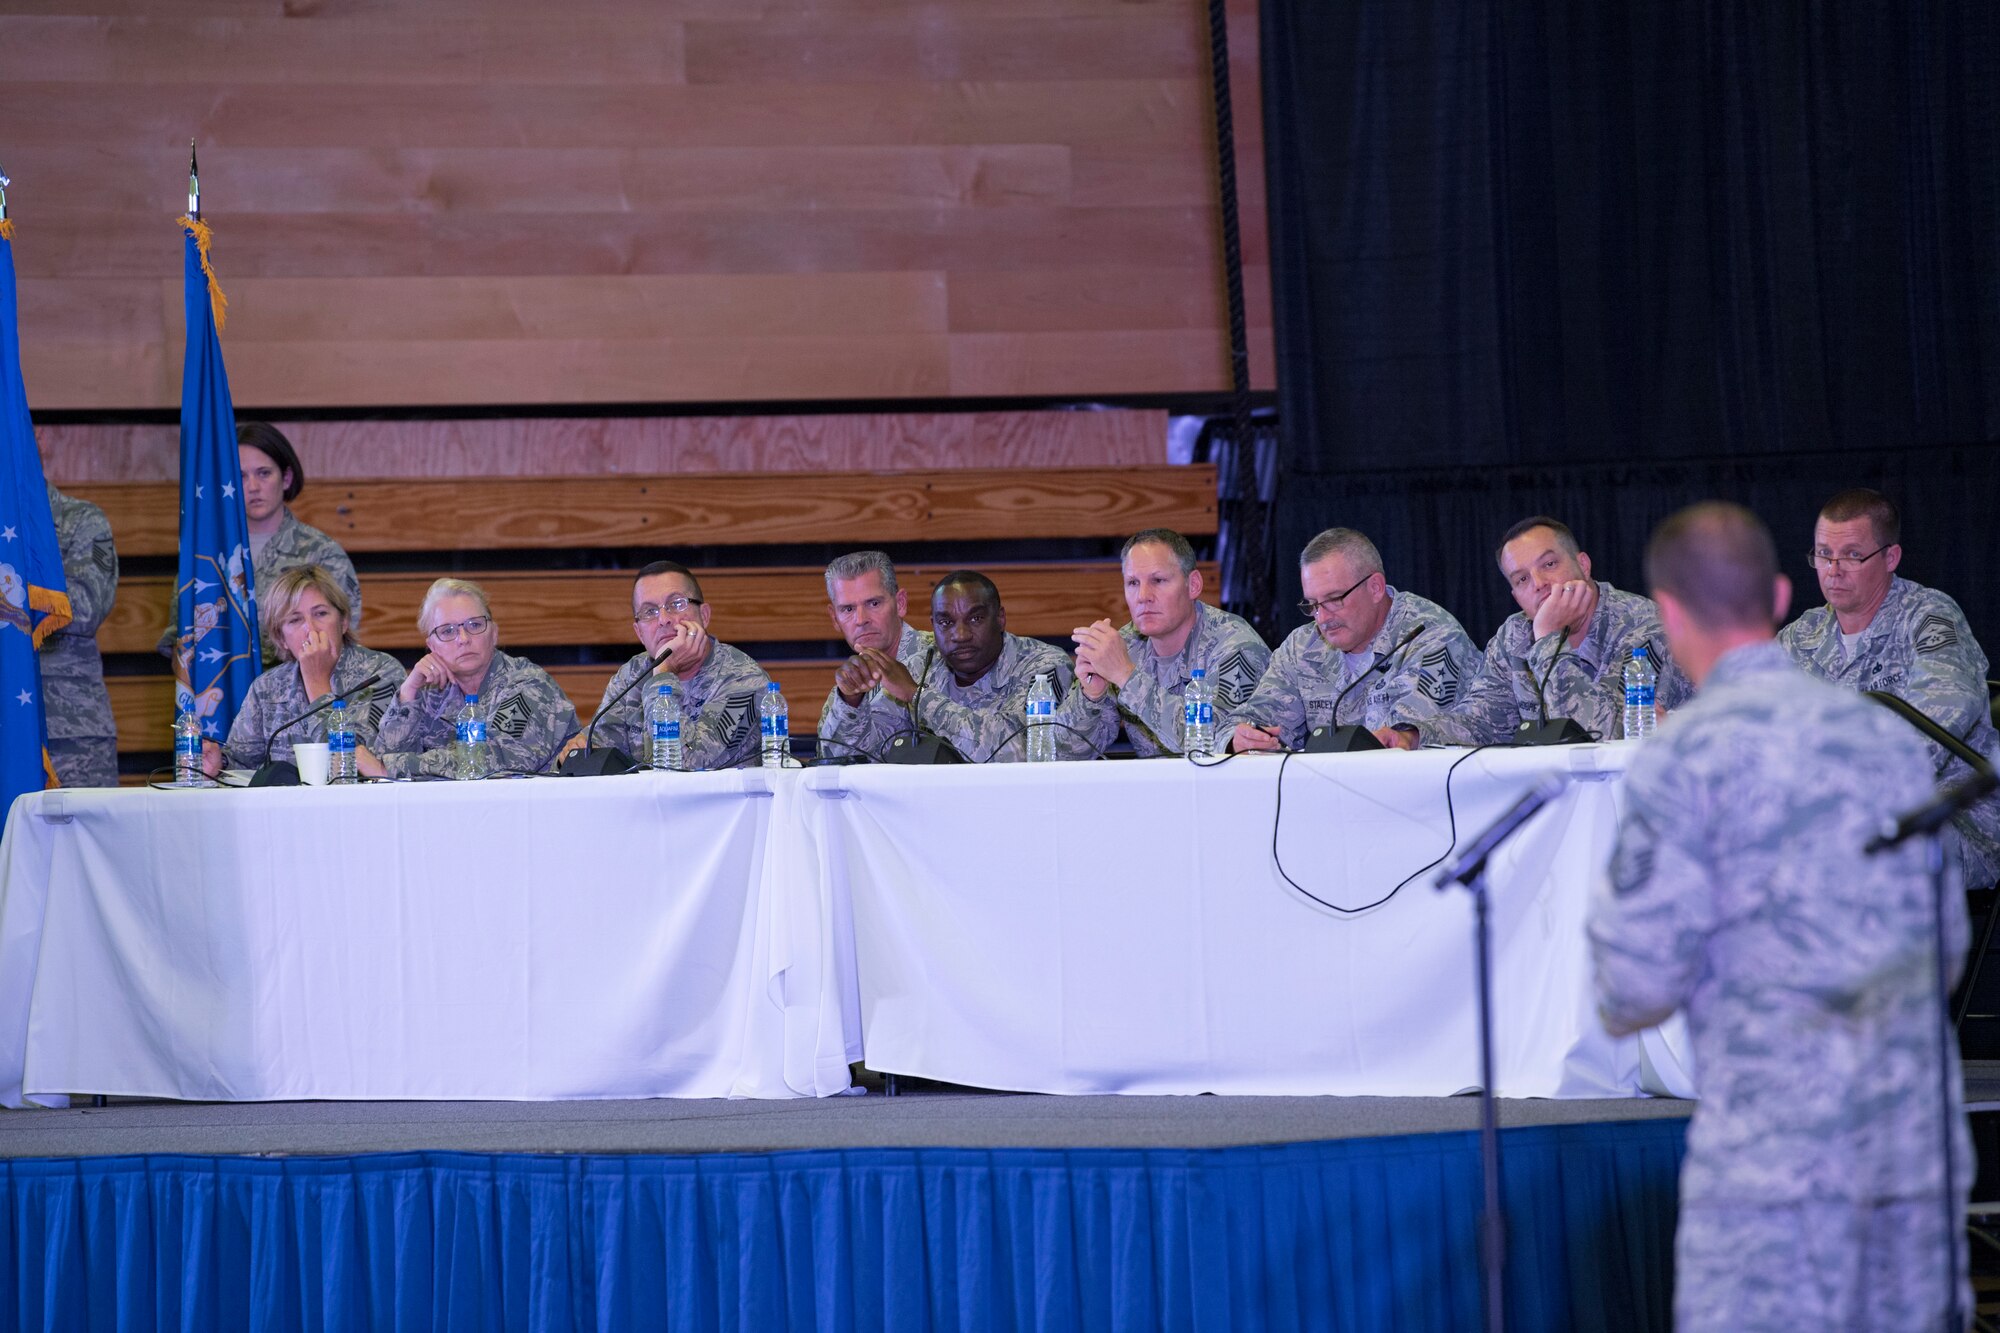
(1336, 739)
(591, 762)
(1562, 731)
(279, 772)
(919, 745)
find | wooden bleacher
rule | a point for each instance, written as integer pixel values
(545, 608)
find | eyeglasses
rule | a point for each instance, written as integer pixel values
(472, 629)
(1829, 561)
(1310, 610)
(648, 613)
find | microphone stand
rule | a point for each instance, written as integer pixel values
(282, 773)
(1562, 731)
(1336, 739)
(591, 762)
(1470, 871)
(1927, 822)
(920, 745)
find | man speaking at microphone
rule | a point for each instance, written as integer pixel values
(719, 685)
(1813, 1194)
(1411, 653)
(1563, 654)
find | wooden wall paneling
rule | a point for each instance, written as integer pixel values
(643, 446)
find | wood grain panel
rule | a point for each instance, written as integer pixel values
(1109, 299)
(1120, 361)
(874, 48)
(638, 45)
(517, 447)
(968, 504)
(541, 608)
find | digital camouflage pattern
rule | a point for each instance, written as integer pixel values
(986, 720)
(296, 544)
(279, 695)
(1584, 682)
(1919, 648)
(1739, 894)
(1423, 681)
(82, 737)
(867, 728)
(718, 709)
(528, 718)
(1149, 705)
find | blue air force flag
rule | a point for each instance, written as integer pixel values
(216, 654)
(34, 599)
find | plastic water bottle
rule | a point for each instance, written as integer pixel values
(1640, 680)
(1041, 721)
(774, 721)
(1198, 716)
(664, 715)
(470, 758)
(187, 750)
(340, 742)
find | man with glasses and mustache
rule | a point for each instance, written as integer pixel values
(1418, 653)
(719, 685)
(1881, 632)
(528, 717)
(1563, 654)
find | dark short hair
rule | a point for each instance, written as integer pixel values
(1182, 548)
(1718, 561)
(268, 439)
(968, 578)
(669, 567)
(1877, 508)
(1564, 537)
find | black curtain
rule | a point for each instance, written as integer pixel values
(1602, 260)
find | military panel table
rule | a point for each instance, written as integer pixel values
(1123, 927)
(527, 939)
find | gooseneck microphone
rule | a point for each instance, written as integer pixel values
(591, 762)
(1336, 739)
(1562, 731)
(920, 745)
(279, 772)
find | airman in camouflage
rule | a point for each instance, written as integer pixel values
(293, 545)
(719, 684)
(528, 717)
(1136, 676)
(1563, 654)
(279, 695)
(972, 689)
(1881, 632)
(1813, 1194)
(1418, 655)
(82, 738)
(859, 717)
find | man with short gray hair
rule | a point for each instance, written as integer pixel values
(1412, 653)
(1137, 676)
(868, 608)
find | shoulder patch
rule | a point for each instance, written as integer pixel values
(1935, 633)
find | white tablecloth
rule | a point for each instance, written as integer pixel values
(1123, 927)
(605, 937)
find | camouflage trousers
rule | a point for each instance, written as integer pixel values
(1839, 1268)
(85, 761)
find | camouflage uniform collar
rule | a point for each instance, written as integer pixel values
(909, 643)
(1601, 627)
(1748, 660)
(285, 535)
(1198, 637)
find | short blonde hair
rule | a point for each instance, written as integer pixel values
(444, 588)
(284, 594)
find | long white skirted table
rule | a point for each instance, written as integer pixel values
(1127, 927)
(1108, 927)
(529, 939)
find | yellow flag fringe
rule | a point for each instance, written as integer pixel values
(56, 604)
(49, 779)
(217, 302)
(6, 229)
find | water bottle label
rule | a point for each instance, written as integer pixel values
(1207, 714)
(1190, 713)
(185, 746)
(1042, 708)
(776, 725)
(340, 742)
(666, 731)
(472, 733)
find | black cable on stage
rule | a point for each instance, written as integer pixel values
(1451, 813)
(1096, 750)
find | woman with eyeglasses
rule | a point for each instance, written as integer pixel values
(305, 613)
(528, 717)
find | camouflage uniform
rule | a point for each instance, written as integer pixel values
(1307, 674)
(1810, 1195)
(528, 717)
(1586, 683)
(293, 545)
(868, 727)
(82, 738)
(1919, 648)
(279, 695)
(1148, 704)
(986, 720)
(718, 709)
